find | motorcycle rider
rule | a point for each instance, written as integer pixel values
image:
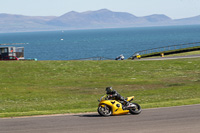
(121, 57)
(113, 94)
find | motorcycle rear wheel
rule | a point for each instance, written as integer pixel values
(104, 110)
(136, 110)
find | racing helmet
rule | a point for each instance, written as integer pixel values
(109, 90)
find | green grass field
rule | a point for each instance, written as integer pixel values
(55, 87)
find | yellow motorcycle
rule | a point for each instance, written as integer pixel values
(113, 107)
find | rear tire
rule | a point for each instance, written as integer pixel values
(136, 110)
(104, 111)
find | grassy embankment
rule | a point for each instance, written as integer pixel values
(177, 52)
(184, 54)
(52, 87)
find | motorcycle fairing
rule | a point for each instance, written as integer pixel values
(115, 106)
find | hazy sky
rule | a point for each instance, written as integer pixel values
(172, 8)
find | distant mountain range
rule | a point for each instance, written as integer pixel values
(87, 20)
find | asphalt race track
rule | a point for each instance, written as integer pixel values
(182, 119)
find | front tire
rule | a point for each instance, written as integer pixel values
(135, 110)
(104, 110)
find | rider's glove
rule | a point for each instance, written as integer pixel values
(109, 96)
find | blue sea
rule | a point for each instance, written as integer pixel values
(108, 43)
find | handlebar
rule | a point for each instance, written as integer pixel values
(105, 96)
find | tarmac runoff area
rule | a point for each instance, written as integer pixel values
(180, 119)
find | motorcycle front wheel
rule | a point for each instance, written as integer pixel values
(135, 110)
(104, 110)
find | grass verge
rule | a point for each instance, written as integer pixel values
(177, 52)
(55, 87)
